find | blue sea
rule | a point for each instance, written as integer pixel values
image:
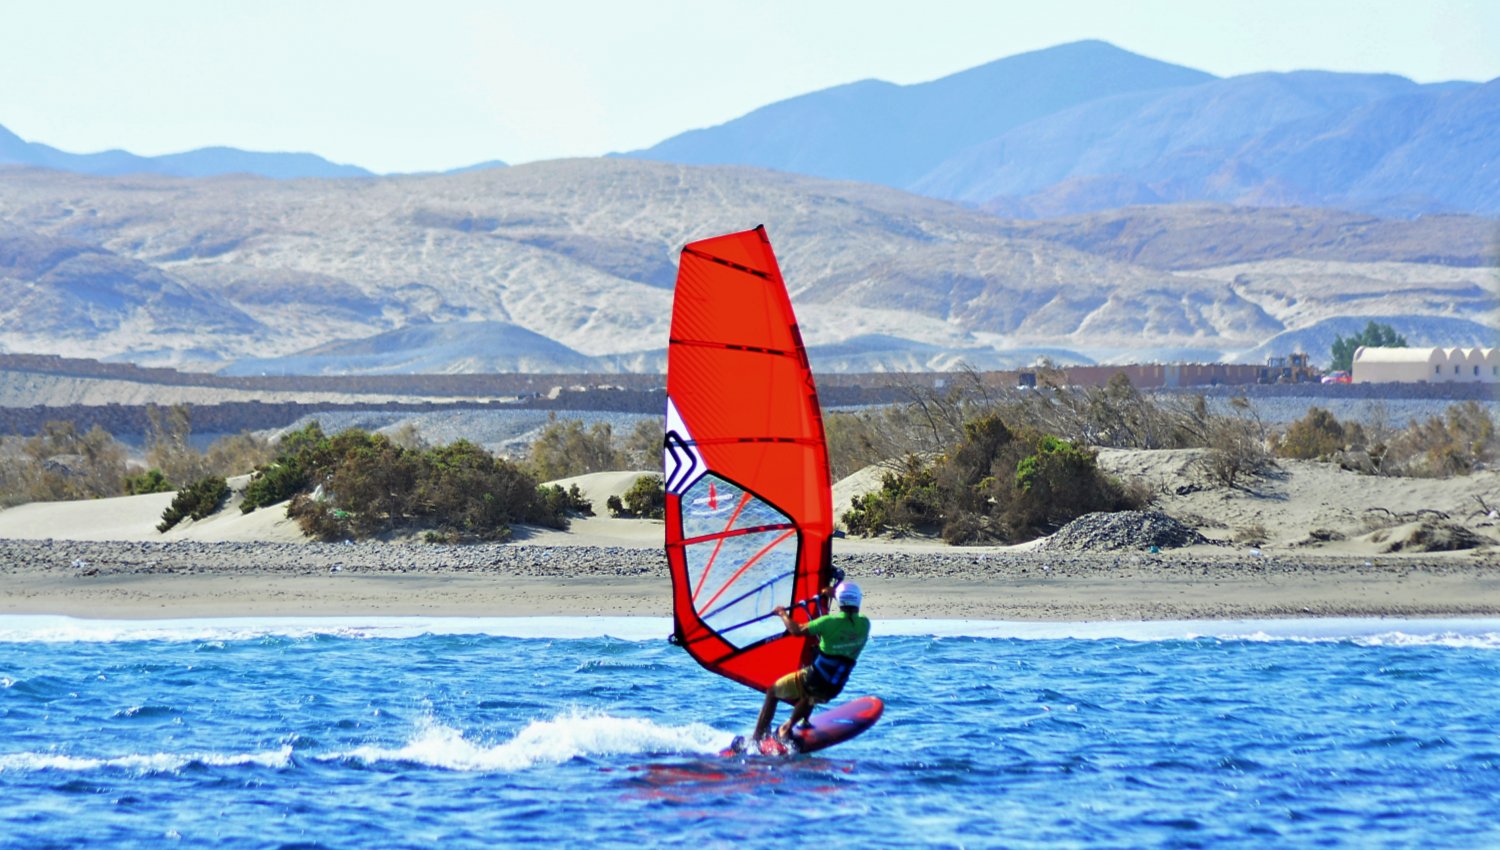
(590, 732)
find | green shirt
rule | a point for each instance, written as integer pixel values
(840, 635)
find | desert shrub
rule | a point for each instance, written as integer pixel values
(566, 502)
(643, 448)
(1116, 415)
(1318, 436)
(271, 484)
(647, 498)
(1462, 440)
(907, 502)
(1254, 534)
(374, 481)
(409, 436)
(355, 484)
(1056, 484)
(168, 447)
(997, 484)
(1235, 454)
(298, 455)
(150, 481)
(565, 449)
(317, 518)
(477, 495)
(196, 501)
(60, 463)
(237, 454)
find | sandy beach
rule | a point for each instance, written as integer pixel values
(103, 558)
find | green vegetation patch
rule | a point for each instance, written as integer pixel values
(357, 485)
(999, 484)
(646, 498)
(196, 501)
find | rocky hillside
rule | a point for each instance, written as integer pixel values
(568, 266)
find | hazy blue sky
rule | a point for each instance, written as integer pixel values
(406, 86)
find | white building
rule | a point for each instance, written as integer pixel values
(1428, 365)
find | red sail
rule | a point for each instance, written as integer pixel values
(749, 507)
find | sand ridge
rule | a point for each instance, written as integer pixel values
(103, 558)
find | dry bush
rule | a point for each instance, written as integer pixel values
(643, 448)
(1116, 415)
(1251, 535)
(1318, 436)
(167, 447)
(61, 464)
(1462, 440)
(932, 421)
(1236, 453)
(566, 449)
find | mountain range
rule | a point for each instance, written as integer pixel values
(1088, 126)
(568, 266)
(1080, 203)
(203, 162)
(1076, 128)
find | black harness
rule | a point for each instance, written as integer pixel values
(828, 674)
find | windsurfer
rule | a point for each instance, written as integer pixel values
(841, 637)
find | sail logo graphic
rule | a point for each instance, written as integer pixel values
(681, 460)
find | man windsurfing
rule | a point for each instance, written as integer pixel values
(841, 637)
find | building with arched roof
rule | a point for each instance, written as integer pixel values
(1427, 365)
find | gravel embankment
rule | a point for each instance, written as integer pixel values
(87, 558)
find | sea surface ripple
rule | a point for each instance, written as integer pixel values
(235, 736)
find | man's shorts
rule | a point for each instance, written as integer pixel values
(793, 686)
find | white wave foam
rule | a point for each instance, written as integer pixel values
(143, 762)
(44, 628)
(543, 742)
(1455, 640)
(1466, 633)
(1481, 633)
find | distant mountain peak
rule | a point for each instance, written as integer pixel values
(200, 162)
(1088, 125)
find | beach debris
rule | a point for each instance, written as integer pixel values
(1104, 532)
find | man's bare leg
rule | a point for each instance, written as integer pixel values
(767, 714)
(800, 712)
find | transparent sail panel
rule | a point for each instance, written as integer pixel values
(738, 580)
(714, 506)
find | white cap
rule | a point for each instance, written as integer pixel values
(847, 593)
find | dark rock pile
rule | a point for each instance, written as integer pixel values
(1104, 532)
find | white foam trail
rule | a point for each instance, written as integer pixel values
(543, 742)
(1481, 633)
(142, 763)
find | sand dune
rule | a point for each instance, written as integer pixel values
(1310, 540)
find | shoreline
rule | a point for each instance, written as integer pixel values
(183, 579)
(1457, 632)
